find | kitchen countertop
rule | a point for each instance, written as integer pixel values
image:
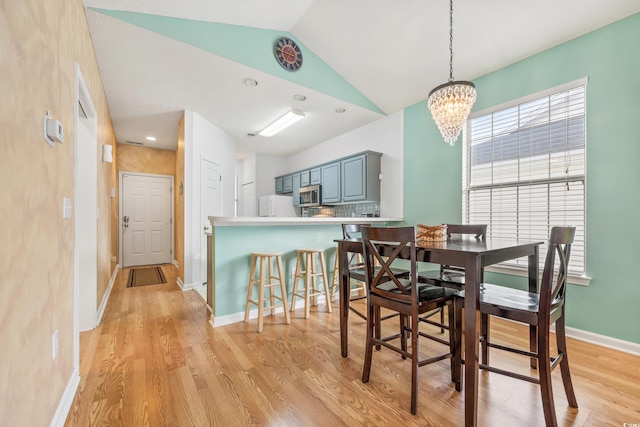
(219, 221)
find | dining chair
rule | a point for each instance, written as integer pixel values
(541, 310)
(408, 298)
(357, 270)
(447, 275)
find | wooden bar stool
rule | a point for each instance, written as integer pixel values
(306, 270)
(266, 279)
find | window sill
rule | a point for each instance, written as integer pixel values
(516, 271)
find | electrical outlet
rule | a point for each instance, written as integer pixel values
(54, 344)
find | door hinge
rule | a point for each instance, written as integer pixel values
(220, 178)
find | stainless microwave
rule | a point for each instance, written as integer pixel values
(309, 196)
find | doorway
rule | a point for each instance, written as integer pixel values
(146, 218)
(86, 207)
(210, 205)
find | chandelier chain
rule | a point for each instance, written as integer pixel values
(450, 40)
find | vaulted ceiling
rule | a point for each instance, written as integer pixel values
(369, 58)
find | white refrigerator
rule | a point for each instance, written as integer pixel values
(275, 205)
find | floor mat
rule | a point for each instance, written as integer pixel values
(142, 276)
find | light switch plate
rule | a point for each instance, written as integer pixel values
(67, 208)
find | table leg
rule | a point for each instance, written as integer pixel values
(473, 274)
(344, 299)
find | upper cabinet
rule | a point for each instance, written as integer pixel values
(330, 191)
(361, 178)
(315, 176)
(287, 184)
(352, 179)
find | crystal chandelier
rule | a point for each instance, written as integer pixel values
(451, 102)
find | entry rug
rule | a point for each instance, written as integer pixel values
(142, 276)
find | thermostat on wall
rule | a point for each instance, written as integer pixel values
(52, 130)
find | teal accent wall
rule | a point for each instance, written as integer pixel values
(610, 58)
(249, 46)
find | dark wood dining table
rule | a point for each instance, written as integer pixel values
(474, 256)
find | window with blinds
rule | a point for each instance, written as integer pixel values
(524, 169)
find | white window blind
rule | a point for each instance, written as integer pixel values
(524, 170)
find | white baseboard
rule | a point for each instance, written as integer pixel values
(603, 340)
(180, 283)
(253, 314)
(176, 263)
(590, 337)
(188, 286)
(107, 294)
(64, 406)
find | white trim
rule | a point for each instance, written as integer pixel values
(180, 283)
(64, 405)
(602, 340)
(107, 294)
(522, 272)
(188, 286)
(253, 314)
(547, 92)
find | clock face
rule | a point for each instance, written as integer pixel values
(288, 54)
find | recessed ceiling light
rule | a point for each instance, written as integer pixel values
(299, 97)
(249, 82)
(340, 110)
(151, 138)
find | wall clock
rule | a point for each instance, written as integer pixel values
(288, 54)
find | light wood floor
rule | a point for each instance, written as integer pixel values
(155, 361)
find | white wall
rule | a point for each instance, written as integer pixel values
(384, 136)
(203, 139)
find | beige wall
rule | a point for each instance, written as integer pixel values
(40, 41)
(131, 158)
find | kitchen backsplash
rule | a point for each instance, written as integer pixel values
(341, 211)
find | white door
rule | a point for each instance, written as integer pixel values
(146, 219)
(211, 205)
(249, 199)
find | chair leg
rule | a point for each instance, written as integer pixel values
(442, 321)
(368, 353)
(544, 371)
(252, 273)
(414, 364)
(283, 291)
(403, 333)
(455, 339)
(484, 332)
(564, 363)
(296, 276)
(325, 282)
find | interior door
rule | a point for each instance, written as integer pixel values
(146, 219)
(211, 205)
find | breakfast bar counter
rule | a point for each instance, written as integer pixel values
(233, 240)
(260, 221)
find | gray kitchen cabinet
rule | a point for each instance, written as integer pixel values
(279, 185)
(304, 178)
(287, 183)
(330, 183)
(315, 176)
(296, 184)
(361, 178)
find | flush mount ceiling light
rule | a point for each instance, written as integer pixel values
(249, 82)
(151, 138)
(283, 122)
(451, 102)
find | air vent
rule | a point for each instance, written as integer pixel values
(134, 142)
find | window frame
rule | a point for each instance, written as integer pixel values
(573, 277)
